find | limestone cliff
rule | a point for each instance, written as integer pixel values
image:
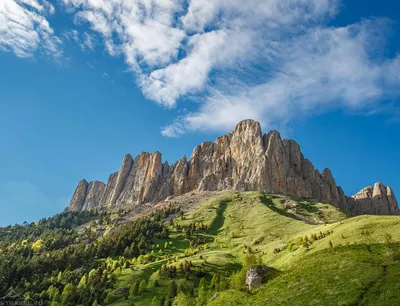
(377, 200)
(242, 160)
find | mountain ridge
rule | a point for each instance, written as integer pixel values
(242, 160)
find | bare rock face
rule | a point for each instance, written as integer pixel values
(377, 199)
(105, 198)
(393, 205)
(258, 275)
(93, 193)
(242, 160)
(86, 196)
(78, 199)
(123, 173)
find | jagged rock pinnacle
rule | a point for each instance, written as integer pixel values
(242, 160)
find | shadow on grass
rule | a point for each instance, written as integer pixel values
(267, 201)
(219, 218)
(213, 268)
(308, 207)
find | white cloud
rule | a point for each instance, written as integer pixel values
(189, 74)
(89, 41)
(144, 31)
(393, 71)
(273, 14)
(209, 35)
(24, 28)
(86, 41)
(325, 68)
(72, 35)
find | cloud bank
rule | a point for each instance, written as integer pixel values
(270, 60)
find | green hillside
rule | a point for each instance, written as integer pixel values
(316, 255)
(352, 261)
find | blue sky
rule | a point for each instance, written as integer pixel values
(84, 82)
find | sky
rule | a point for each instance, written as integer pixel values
(83, 82)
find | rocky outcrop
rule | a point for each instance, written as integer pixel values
(78, 198)
(86, 196)
(242, 160)
(377, 200)
(258, 275)
(93, 193)
(254, 277)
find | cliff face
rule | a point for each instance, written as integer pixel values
(377, 200)
(87, 196)
(242, 160)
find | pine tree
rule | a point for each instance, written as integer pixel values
(162, 301)
(57, 297)
(203, 294)
(82, 282)
(67, 292)
(142, 286)
(134, 289)
(182, 300)
(52, 292)
(173, 288)
(110, 298)
(168, 301)
(155, 301)
(213, 283)
(59, 276)
(181, 287)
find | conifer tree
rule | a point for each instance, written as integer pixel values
(134, 289)
(173, 288)
(155, 301)
(142, 286)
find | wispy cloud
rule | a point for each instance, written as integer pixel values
(24, 28)
(88, 42)
(71, 35)
(91, 65)
(320, 70)
(268, 60)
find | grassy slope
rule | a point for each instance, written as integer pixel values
(358, 269)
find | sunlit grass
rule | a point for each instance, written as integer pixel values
(342, 267)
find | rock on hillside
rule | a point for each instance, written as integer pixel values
(242, 160)
(258, 275)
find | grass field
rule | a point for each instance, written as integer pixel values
(325, 258)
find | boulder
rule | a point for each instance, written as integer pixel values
(258, 275)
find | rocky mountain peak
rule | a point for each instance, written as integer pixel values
(248, 129)
(377, 199)
(242, 160)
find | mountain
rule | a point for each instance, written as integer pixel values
(244, 160)
(247, 220)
